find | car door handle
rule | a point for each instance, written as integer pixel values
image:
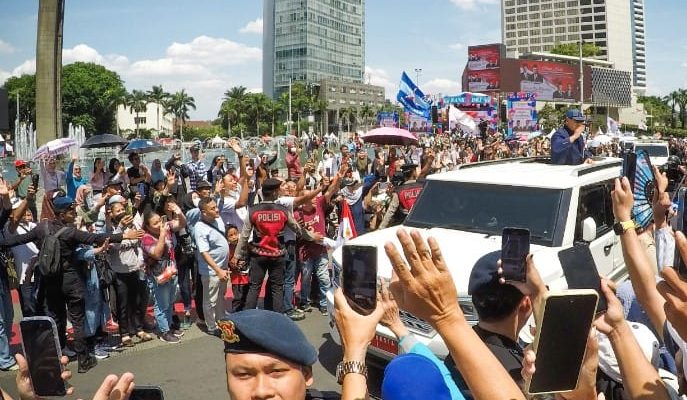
(607, 248)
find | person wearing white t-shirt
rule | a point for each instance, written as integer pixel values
(20, 223)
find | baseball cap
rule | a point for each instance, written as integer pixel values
(484, 273)
(116, 199)
(575, 114)
(63, 203)
(203, 185)
(19, 163)
(647, 341)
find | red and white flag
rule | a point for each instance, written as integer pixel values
(346, 227)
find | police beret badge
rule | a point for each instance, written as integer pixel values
(228, 330)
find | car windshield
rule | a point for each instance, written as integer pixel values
(653, 151)
(486, 208)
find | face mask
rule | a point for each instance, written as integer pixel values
(196, 201)
(177, 163)
(327, 156)
(292, 150)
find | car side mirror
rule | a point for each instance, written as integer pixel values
(588, 229)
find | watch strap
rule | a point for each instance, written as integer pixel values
(350, 367)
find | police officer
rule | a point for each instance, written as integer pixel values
(67, 289)
(267, 221)
(257, 344)
(403, 198)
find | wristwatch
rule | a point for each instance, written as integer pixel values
(621, 227)
(347, 367)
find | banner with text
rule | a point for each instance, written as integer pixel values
(522, 115)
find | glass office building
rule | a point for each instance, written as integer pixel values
(310, 41)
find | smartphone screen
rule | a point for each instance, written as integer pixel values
(680, 225)
(328, 171)
(383, 186)
(580, 272)
(630, 167)
(142, 189)
(359, 277)
(515, 246)
(147, 393)
(561, 341)
(42, 350)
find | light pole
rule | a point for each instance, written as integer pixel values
(418, 71)
(579, 28)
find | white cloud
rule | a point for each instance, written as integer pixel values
(472, 4)
(253, 27)
(4, 75)
(6, 47)
(443, 86)
(27, 67)
(457, 46)
(380, 77)
(85, 53)
(215, 51)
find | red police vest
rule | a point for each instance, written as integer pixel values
(268, 220)
(407, 194)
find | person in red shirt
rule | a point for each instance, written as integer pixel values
(313, 255)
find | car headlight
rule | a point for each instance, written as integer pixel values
(468, 309)
(336, 273)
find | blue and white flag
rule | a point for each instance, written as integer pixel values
(412, 97)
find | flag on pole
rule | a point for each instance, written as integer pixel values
(346, 227)
(412, 98)
(613, 125)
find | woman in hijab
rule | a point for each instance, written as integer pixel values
(156, 171)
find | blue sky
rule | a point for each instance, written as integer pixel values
(207, 46)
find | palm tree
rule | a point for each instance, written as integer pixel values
(671, 100)
(346, 114)
(257, 105)
(157, 95)
(681, 100)
(274, 108)
(320, 107)
(137, 103)
(233, 105)
(180, 104)
(115, 98)
(367, 112)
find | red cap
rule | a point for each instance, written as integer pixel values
(19, 163)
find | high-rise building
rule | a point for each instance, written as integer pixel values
(312, 40)
(615, 26)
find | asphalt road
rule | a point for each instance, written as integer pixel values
(195, 369)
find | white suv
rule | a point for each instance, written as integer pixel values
(466, 210)
(657, 150)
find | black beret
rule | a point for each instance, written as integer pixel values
(262, 331)
(484, 273)
(271, 184)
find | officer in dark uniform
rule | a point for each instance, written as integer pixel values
(403, 198)
(267, 221)
(258, 342)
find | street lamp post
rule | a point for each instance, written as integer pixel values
(418, 71)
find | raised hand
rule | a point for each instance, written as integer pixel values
(23, 379)
(623, 199)
(425, 288)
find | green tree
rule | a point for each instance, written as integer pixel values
(257, 105)
(671, 101)
(550, 117)
(681, 100)
(346, 115)
(659, 112)
(137, 103)
(86, 89)
(25, 87)
(157, 95)
(114, 98)
(233, 106)
(180, 104)
(573, 49)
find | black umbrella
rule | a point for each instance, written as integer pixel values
(104, 140)
(142, 146)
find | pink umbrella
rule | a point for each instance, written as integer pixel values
(388, 135)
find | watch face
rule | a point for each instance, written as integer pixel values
(618, 228)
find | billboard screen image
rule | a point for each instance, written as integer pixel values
(483, 57)
(549, 80)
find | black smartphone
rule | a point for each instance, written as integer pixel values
(359, 277)
(41, 347)
(561, 340)
(680, 225)
(147, 393)
(142, 189)
(328, 172)
(630, 167)
(34, 179)
(515, 246)
(580, 272)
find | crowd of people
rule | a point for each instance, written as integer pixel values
(127, 238)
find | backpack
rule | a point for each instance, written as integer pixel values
(50, 258)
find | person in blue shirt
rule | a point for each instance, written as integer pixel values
(567, 143)
(74, 177)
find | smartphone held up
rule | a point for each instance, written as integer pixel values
(41, 346)
(515, 246)
(359, 277)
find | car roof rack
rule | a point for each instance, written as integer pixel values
(590, 168)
